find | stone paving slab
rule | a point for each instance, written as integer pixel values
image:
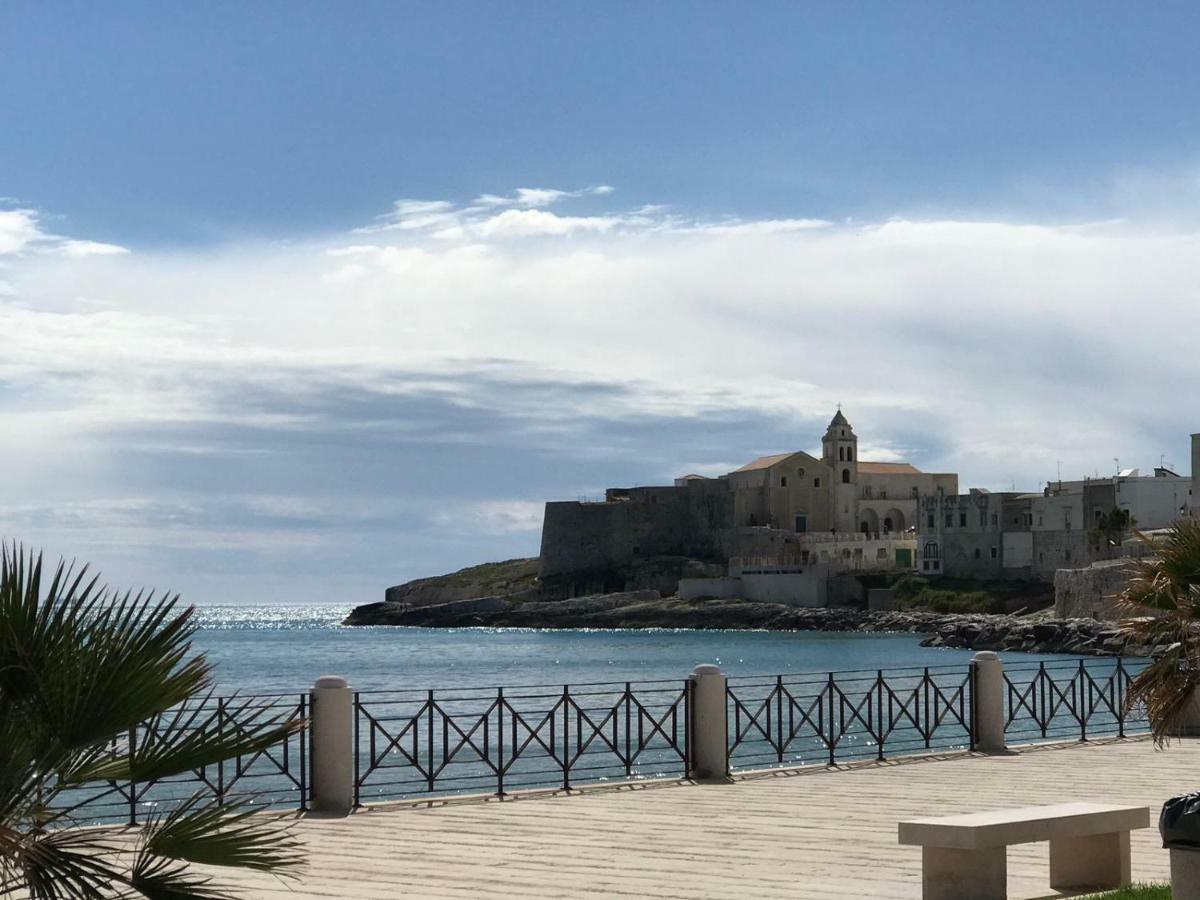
(812, 834)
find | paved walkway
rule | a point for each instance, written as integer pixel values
(816, 834)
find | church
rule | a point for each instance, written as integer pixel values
(837, 493)
(762, 509)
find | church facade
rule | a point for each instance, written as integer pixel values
(765, 503)
(838, 493)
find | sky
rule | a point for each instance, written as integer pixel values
(302, 300)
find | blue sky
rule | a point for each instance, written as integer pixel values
(302, 300)
(195, 122)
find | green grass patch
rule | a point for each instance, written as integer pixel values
(961, 595)
(915, 592)
(1137, 892)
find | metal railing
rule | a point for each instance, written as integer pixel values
(1064, 699)
(276, 777)
(803, 719)
(410, 743)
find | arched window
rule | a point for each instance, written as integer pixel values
(841, 454)
(849, 454)
(845, 476)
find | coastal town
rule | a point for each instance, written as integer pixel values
(573, 451)
(796, 541)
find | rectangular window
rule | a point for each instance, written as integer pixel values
(949, 520)
(995, 554)
(962, 520)
(783, 481)
(915, 492)
(931, 520)
(978, 553)
(816, 482)
(995, 519)
(983, 520)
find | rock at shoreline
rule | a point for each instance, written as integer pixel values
(647, 609)
(510, 578)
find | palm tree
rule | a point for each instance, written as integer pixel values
(83, 668)
(1161, 606)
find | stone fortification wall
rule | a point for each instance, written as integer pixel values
(809, 588)
(635, 525)
(1089, 593)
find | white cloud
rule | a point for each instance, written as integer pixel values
(990, 348)
(492, 517)
(21, 232)
(18, 229)
(518, 223)
(539, 197)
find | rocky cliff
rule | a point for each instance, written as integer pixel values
(512, 577)
(647, 609)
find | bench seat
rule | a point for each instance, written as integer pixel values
(963, 857)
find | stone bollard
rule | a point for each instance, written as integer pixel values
(988, 702)
(1185, 873)
(709, 758)
(333, 748)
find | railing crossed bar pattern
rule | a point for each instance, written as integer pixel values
(275, 777)
(801, 719)
(1064, 698)
(410, 742)
(495, 740)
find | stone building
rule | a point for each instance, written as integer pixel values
(1032, 535)
(763, 508)
(837, 493)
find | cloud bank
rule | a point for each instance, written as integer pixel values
(319, 419)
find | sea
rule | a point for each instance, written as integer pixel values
(278, 648)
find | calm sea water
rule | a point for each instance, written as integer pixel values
(284, 648)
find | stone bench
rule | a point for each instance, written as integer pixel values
(963, 857)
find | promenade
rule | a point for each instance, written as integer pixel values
(811, 834)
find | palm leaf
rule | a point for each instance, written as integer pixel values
(194, 735)
(233, 835)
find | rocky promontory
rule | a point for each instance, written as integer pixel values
(648, 609)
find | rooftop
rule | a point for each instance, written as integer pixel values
(887, 468)
(765, 462)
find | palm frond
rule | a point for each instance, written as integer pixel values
(73, 863)
(233, 835)
(195, 734)
(1161, 603)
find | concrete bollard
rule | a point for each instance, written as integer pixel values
(709, 759)
(988, 702)
(1185, 873)
(333, 748)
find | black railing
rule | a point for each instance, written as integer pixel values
(495, 740)
(1067, 699)
(412, 743)
(278, 776)
(803, 719)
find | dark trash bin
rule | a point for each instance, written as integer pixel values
(1179, 823)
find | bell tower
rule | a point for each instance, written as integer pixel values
(839, 451)
(839, 448)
